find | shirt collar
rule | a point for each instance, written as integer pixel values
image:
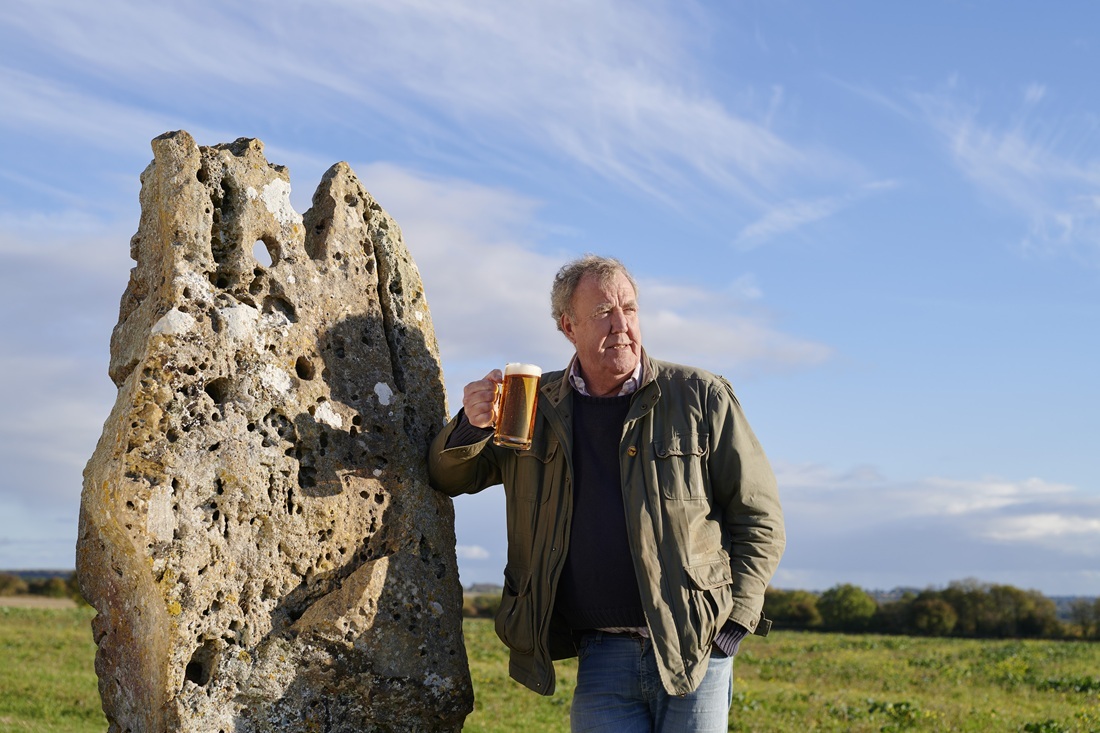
(630, 386)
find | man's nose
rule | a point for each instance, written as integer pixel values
(618, 321)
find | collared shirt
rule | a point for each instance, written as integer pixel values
(630, 386)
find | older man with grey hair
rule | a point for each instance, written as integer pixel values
(644, 522)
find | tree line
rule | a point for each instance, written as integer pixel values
(51, 586)
(966, 608)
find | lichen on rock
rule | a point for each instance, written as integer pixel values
(257, 532)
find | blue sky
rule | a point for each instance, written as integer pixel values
(880, 221)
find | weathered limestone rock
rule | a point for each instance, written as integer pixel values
(256, 530)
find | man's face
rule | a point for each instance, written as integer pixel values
(603, 327)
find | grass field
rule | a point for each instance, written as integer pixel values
(787, 682)
(47, 678)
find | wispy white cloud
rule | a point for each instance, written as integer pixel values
(489, 284)
(1068, 532)
(935, 529)
(792, 215)
(612, 85)
(472, 552)
(1042, 166)
(36, 106)
(708, 329)
(1034, 93)
(887, 499)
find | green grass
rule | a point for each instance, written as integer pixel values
(47, 675)
(794, 681)
(826, 682)
(501, 704)
(788, 682)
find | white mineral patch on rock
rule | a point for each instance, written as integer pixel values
(239, 322)
(385, 394)
(276, 197)
(353, 220)
(199, 286)
(275, 379)
(174, 323)
(161, 522)
(328, 416)
(276, 320)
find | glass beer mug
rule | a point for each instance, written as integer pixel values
(514, 406)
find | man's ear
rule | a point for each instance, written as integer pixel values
(567, 328)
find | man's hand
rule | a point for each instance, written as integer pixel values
(478, 397)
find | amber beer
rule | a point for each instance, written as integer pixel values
(517, 399)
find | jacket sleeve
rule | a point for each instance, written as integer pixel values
(744, 487)
(461, 469)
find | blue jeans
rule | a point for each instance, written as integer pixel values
(619, 691)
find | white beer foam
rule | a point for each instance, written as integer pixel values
(525, 369)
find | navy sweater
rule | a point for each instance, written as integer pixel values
(598, 587)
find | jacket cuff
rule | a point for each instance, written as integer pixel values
(465, 434)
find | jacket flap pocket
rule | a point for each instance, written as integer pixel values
(539, 451)
(713, 574)
(689, 444)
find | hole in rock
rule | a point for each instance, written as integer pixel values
(262, 254)
(201, 665)
(304, 368)
(218, 389)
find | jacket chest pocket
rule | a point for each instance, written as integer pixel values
(533, 471)
(680, 461)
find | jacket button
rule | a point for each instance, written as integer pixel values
(632, 451)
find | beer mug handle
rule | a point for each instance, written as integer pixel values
(496, 402)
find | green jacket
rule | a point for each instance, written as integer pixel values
(702, 508)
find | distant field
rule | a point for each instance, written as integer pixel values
(787, 682)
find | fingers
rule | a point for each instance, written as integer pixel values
(478, 397)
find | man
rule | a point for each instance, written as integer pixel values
(643, 524)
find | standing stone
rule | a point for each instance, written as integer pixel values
(257, 532)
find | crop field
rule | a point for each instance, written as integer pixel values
(787, 682)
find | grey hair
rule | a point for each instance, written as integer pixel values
(570, 276)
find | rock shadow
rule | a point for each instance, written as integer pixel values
(376, 637)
